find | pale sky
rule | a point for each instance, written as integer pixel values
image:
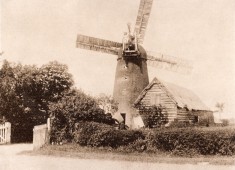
(203, 31)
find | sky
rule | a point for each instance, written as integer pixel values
(202, 31)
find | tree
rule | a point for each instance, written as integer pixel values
(26, 92)
(75, 107)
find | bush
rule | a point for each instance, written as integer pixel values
(86, 133)
(140, 145)
(181, 124)
(182, 142)
(225, 122)
(153, 116)
(176, 141)
(196, 141)
(100, 135)
(74, 107)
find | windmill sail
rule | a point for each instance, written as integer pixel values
(96, 44)
(169, 63)
(142, 19)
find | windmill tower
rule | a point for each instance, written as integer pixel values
(131, 71)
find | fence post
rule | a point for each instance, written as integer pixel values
(48, 130)
(8, 132)
(1, 133)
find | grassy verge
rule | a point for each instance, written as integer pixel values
(76, 151)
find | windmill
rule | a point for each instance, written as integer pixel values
(131, 71)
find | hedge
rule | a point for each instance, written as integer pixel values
(178, 141)
(95, 134)
(196, 141)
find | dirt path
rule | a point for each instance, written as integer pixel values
(10, 160)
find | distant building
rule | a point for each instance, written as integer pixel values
(178, 103)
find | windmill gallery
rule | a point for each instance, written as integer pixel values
(132, 88)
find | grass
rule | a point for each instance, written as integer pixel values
(76, 151)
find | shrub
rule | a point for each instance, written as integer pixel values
(100, 135)
(153, 116)
(87, 133)
(140, 145)
(225, 122)
(74, 107)
(176, 141)
(181, 124)
(196, 141)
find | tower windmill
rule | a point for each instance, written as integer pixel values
(131, 71)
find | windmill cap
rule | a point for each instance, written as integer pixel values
(140, 49)
(132, 37)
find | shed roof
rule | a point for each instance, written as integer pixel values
(181, 96)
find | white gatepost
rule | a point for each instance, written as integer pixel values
(8, 132)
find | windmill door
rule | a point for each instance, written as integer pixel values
(124, 117)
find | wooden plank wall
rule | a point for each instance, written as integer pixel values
(170, 108)
(183, 115)
(189, 116)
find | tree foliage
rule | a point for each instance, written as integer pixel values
(75, 107)
(25, 94)
(153, 116)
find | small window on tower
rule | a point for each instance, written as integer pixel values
(155, 99)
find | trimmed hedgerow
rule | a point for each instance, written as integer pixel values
(97, 135)
(178, 141)
(196, 141)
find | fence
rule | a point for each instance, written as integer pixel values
(5, 133)
(41, 135)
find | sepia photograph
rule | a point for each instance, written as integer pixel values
(117, 84)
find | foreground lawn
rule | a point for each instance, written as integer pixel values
(76, 151)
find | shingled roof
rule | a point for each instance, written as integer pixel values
(181, 96)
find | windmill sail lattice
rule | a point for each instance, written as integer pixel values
(170, 63)
(97, 44)
(142, 19)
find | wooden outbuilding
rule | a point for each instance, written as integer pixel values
(177, 103)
